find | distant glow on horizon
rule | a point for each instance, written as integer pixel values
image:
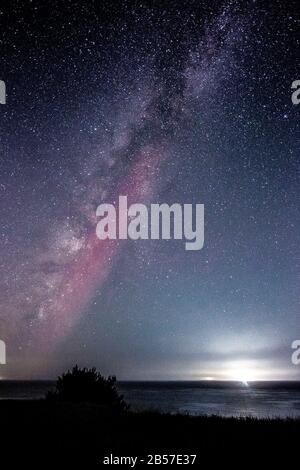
(242, 372)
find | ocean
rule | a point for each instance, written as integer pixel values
(256, 399)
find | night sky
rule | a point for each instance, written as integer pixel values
(174, 101)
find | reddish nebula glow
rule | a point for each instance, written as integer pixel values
(92, 267)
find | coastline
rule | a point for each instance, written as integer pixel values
(87, 433)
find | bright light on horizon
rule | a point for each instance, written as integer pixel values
(242, 373)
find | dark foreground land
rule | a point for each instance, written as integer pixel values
(62, 435)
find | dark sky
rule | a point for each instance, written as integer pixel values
(174, 101)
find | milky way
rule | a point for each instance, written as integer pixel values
(163, 104)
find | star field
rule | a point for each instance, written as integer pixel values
(183, 102)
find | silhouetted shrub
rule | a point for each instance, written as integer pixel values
(87, 385)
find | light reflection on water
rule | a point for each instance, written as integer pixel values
(260, 399)
(230, 399)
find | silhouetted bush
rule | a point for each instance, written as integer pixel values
(87, 385)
